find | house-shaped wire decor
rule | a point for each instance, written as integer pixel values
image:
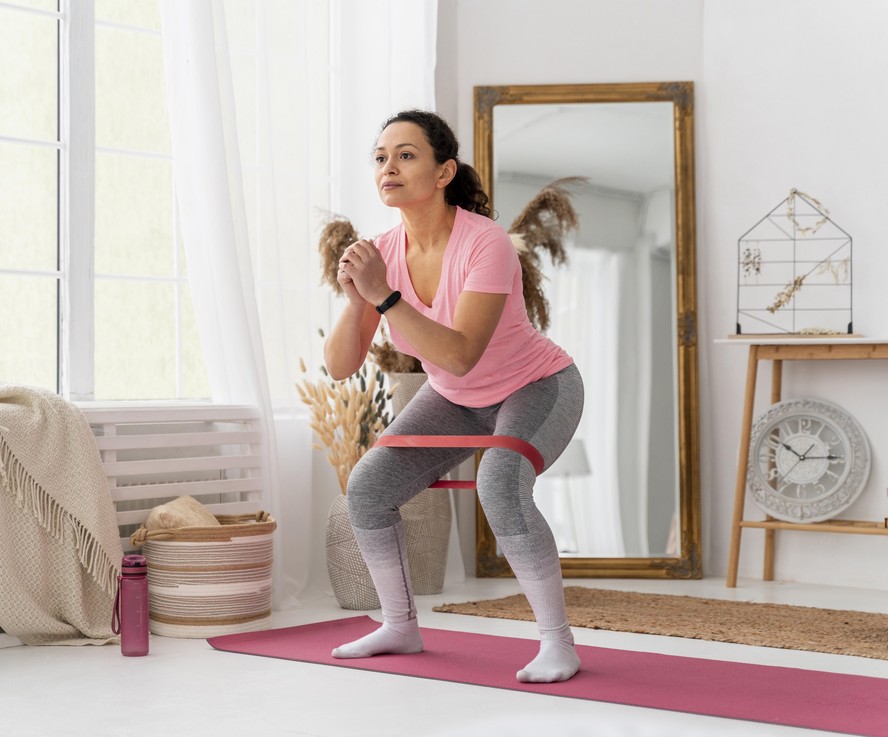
(794, 272)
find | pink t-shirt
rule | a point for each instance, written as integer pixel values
(479, 257)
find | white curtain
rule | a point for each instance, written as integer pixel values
(384, 53)
(274, 107)
(601, 296)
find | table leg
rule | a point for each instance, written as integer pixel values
(742, 462)
(776, 391)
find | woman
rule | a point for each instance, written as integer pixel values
(449, 283)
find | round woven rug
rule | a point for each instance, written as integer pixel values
(836, 631)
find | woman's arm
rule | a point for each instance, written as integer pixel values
(346, 347)
(454, 349)
(457, 349)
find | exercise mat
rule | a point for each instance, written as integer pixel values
(775, 695)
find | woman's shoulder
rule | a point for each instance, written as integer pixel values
(482, 231)
(479, 222)
(389, 239)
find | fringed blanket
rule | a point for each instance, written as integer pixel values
(60, 546)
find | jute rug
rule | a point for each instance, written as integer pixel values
(767, 625)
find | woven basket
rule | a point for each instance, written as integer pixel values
(208, 581)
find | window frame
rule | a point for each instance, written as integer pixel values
(77, 200)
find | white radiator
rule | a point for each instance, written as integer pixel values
(153, 455)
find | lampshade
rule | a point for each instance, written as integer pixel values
(572, 462)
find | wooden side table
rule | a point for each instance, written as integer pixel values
(777, 350)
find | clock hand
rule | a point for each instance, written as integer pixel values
(804, 455)
(790, 448)
(789, 470)
(830, 457)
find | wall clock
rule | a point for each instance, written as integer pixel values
(808, 460)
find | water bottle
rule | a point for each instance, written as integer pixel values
(130, 617)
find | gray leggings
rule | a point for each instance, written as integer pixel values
(545, 414)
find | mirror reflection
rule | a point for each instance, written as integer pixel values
(615, 492)
(623, 499)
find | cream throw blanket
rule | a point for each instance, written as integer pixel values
(60, 548)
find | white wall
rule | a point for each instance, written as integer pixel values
(789, 93)
(792, 95)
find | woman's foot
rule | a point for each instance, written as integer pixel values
(557, 661)
(400, 638)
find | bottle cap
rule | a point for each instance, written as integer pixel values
(134, 564)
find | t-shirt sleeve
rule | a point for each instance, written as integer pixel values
(492, 264)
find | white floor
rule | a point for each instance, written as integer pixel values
(184, 687)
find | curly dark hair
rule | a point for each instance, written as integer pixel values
(465, 189)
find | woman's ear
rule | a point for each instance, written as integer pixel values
(447, 173)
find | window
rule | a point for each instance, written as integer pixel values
(93, 283)
(30, 152)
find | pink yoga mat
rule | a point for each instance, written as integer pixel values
(760, 693)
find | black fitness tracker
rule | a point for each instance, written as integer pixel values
(389, 302)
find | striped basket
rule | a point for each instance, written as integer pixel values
(208, 581)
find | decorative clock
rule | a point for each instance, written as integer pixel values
(808, 460)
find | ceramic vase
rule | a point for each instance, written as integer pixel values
(427, 519)
(348, 573)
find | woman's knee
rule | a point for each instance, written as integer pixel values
(502, 481)
(369, 495)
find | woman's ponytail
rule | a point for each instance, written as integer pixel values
(465, 191)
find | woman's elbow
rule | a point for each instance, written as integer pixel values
(338, 375)
(462, 364)
(338, 369)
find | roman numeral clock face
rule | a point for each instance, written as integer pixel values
(808, 460)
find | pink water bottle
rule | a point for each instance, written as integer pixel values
(130, 617)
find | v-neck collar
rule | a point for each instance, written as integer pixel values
(444, 263)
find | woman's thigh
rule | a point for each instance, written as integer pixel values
(545, 414)
(386, 478)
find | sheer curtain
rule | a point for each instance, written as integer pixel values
(273, 109)
(594, 293)
(385, 52)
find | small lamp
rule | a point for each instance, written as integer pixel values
(572, 462)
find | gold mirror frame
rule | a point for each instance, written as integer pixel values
(681, 95)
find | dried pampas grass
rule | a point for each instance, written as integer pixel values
(547, 218)
(391, 360)
(347, 416)
(542, 226)
(337, 234)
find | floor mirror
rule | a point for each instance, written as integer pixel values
(624, 498)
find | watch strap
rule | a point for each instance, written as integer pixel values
(390, 301)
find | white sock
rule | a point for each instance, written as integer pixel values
(392, 637)
(556, 661)
(385, 553)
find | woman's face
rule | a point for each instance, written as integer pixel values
(406, 171)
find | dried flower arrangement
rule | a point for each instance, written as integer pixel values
(347, 416)
(787, 293)
(540, 226)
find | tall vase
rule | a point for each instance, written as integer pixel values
(427, 517)
(348, 573)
